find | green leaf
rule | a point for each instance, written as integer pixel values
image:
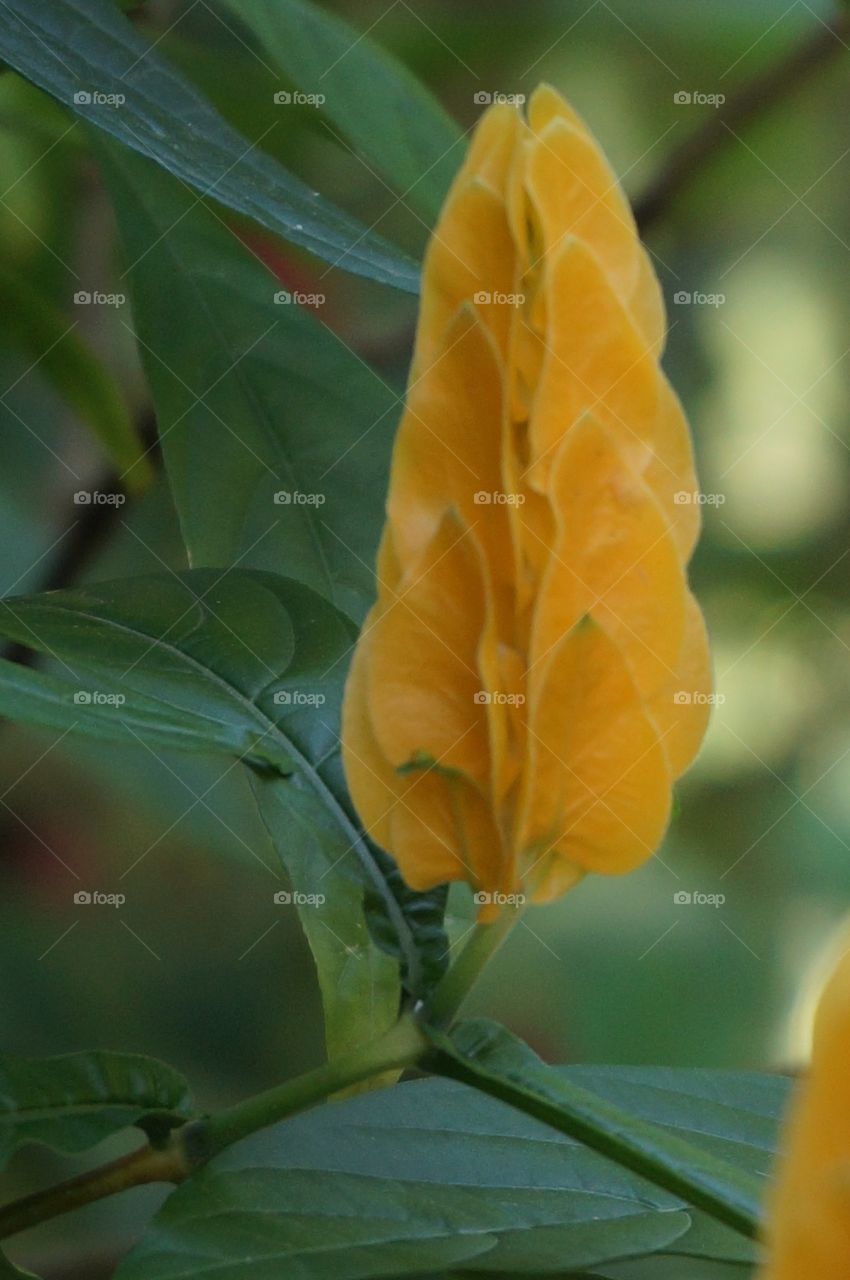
(487, 1056)
(8, 1271)
(423, 965)
(30, 320)
(254, 399)
(359, 981)
(425, 1175)
(114, 79)
(252, 665)
(387, 1183)
(74, 1101)
(395, 125)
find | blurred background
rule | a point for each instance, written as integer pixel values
(712, 953)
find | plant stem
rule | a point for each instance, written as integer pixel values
(400, 1047)
(193, 1144)
(148, 1164)
(729, 1194)
(456, 985)
(756, 96)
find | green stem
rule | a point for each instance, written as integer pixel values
(400, 1047)
(148, 1164)
(456, 985)
(194, 1144)
(725, 1192)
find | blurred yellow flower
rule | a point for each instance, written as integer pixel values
(809, 1232)
(534, 674)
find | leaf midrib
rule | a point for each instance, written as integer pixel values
(272, 729)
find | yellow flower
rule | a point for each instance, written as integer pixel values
(809, 1234)
(534, 674)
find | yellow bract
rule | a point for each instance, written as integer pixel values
(810, 1214)
(534, 674)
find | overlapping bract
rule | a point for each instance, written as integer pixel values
(809, 1233)
(534, 674)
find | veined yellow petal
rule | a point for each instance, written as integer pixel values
(425, 690)
(448, 452)
(596, 362)
(444, 830)
(670, 469)
(682, 713)
(597, 786)
(575, 195)
(372, 781)
(613, 558)
(809, 1232)
(592, 179)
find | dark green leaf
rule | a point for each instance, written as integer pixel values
(248, 664)
(255, 400)
(74, 1101)
(425, 964)
(426, 1175)
(487, 1056)
(317, 845)
(86, 54)
(390, 119)
(8, 1271)
(31, 321)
